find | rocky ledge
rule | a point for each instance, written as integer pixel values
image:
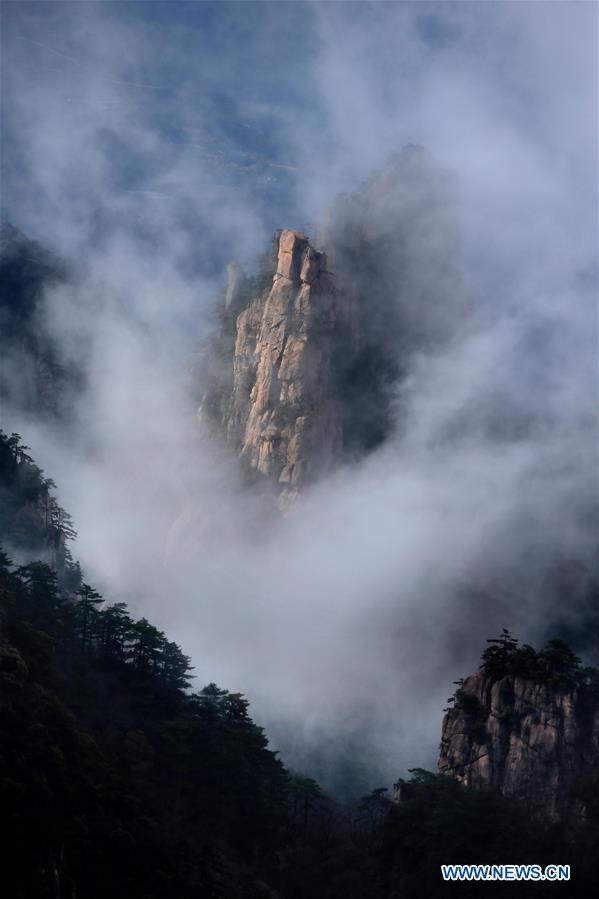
(531, 737)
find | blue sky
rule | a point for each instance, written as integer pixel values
(284, 103)
(209, 77)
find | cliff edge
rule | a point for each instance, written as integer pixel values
(526, 725)
(302, 372)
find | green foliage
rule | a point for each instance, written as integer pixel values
(31, 520)
(438, 821)
(111, 773)
(116, 779)
(556, 664)
(373, 810)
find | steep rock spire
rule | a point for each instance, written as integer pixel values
(304, 369)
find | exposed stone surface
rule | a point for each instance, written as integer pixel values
(303, 371)
(281, 411)
(530, 741)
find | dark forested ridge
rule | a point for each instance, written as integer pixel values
(117, 777)
(113, 776)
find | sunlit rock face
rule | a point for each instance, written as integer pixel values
(281, 410)
(532, 742)
(303, 372)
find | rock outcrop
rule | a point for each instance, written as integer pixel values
(279, 407)
(302, 373)
(394, 246)
(33, 376)
(531, 741)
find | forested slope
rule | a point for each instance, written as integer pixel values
(118, 777)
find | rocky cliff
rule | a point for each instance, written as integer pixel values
(278, 404)
(33, 376)
(532, 736)
(302, 373)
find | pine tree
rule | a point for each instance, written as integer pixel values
(87, 606)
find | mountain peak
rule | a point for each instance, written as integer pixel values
(306, 361)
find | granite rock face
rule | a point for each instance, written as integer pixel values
(279, 408)
(533, 742)
(305, 364)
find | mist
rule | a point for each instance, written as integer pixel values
(149, 146)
